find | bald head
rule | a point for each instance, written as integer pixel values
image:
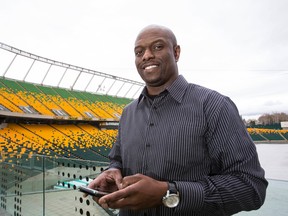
(156, 55)
(160, 29)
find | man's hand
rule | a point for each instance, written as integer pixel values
(108, 181)
(138, 192)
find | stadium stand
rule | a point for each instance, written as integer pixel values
(31, 98)
(255, 135)
(261, 134)
(268, 135)
(53, 138)
(285, 134)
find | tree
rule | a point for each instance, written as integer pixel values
(274, 118)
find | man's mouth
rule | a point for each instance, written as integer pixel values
(150, 67)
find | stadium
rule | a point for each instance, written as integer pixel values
(55, 139)
(55, 135)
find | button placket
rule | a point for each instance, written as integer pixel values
(150, 126)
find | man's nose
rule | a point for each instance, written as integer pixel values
(148, 54)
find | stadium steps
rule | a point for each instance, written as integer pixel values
(83, 142)
(61, 102)
(16, 89)
(273, 136)
(9, 104)
(285, 135)
(93, 108)
(12, 145)
(11, 97)
(40, 96)
(17, 96)
(31, 132)
(102, 102)
(104, 140)
(96, 110)
(55, 138)
(257, 137)
(46, 95)
(12, 153)
(12, 88)
(66, 97)
(28, 142)
(51, 139)
(282, 135)
(95, 101)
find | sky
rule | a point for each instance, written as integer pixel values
(236, 47)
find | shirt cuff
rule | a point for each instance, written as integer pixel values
(191, 196)
(116, 165)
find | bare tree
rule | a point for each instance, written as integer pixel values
(273, 118)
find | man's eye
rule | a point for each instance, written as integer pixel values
(138, 53)
(158, 47)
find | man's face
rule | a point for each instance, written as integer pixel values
(156, 57)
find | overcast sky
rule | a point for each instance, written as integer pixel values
(237, 47)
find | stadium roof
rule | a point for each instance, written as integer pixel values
(24, 66)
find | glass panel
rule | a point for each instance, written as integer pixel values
(41, 185)
(276, 200)
(38, 185)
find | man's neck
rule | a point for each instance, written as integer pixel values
(156, 90)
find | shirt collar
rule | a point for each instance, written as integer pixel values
(176, 90)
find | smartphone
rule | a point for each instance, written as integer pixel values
(92, 192)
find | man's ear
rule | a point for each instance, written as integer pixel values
(177, 51)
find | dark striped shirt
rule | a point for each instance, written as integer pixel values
(195, 137)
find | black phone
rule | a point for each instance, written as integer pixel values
(92, 192)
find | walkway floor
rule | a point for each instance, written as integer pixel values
(62, 203)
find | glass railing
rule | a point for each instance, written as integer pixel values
(40, 185)
(275, 202)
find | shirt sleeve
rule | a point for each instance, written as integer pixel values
(236, 182)
(115, 153)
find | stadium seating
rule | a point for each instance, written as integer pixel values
(261, 134)
(81, 140)
(24, 97)
(285, 134)
(70, 141)
(255, 135)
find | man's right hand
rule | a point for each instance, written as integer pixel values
(109, 181)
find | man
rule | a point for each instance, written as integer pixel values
(181, 149)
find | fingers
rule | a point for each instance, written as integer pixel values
(109, 180)
(123, 197)
(119, 183)
(115, 179)
(127, 192)
(138, 192)
(119, 204)
(115, 200)
(129, 180)
(104, 205)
